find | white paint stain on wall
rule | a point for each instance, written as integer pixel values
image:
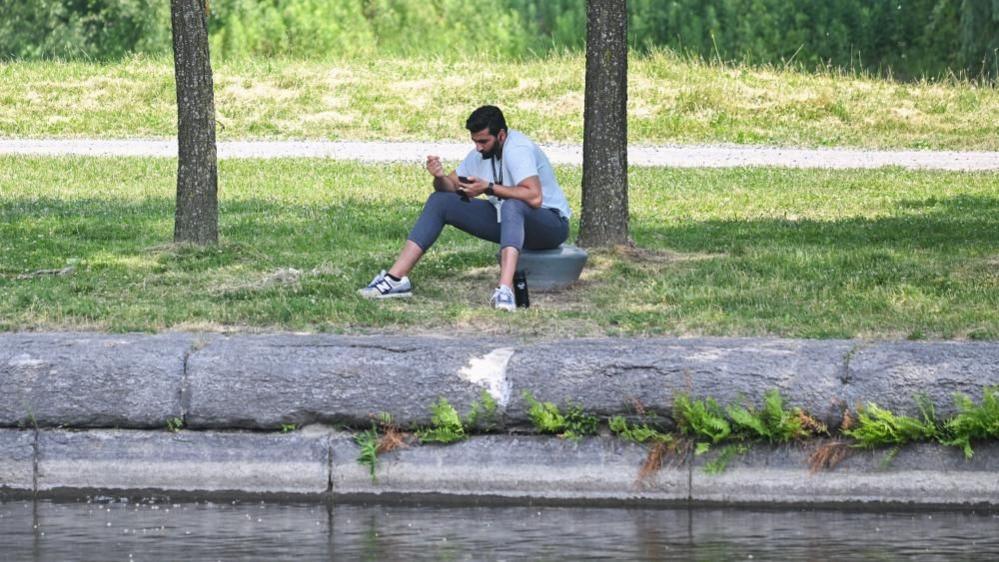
(489, 372)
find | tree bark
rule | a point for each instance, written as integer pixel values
(196, 219)
(604, 220)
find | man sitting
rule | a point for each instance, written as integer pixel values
(524, 206)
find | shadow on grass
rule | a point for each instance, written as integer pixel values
(758, 276)
(934, 224)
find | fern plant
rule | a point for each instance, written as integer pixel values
(446, 425)
(544, 415)
(701, 419)
(174, 425)
(720, 463)
(973, 421)
(637, 433)
(877, 427)
(773, 423)
(368, 442)
(547, 418)
(578, 423)
(482, 414)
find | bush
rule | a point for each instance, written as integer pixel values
(73, 29)
(909, 38)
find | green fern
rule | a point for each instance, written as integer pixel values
(701, 418)
(368, 441)
(973, 421)
(578, 423)
(748, 420)
(720, 463)
(773, 422)
(637, 433)
(547, 418)
(174, 425)
(878, 427)
(446, 425)
(483, 412)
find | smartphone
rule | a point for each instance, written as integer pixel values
(461, 192)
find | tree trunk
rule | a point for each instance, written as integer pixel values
(197, 214)
(604, 219)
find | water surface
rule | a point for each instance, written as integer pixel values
(116, 529)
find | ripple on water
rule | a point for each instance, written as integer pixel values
(111, 529)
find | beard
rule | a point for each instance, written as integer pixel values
(495, 152)
(489, 155)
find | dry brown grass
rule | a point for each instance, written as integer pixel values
(392, 439)
(828, 455)
(848, 421)
(811, 424)
(674, 452)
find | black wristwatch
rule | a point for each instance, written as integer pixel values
(489, 189)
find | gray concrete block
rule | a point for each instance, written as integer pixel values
(893, 373)
(608, 376)
(923, 474)
(548, 270)
(91, 380)
(510, 466)
(265, 381)
(17, 460)
(189, 461)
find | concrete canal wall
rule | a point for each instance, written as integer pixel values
(86, 413)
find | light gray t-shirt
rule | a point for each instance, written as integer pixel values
(521, 159)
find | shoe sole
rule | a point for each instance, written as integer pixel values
(388, 296)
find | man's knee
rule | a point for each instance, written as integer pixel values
(441, 196)
(515, 206)
(439, 200)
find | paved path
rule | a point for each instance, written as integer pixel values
(728, 156)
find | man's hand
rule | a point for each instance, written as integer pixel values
(435, 167)
(475, 187)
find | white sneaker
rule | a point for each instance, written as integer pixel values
(383, 287)
(503, 299)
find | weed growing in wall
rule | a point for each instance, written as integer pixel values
(547, 418)
(774, 422)
(878, 427)
(446, 425)
(482, 414)
(973, 421)
(701, 420)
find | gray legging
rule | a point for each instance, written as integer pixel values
(522, 226)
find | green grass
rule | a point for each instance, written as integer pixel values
(752, 251)
(672, 99)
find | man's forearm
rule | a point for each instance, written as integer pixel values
(443, 183)
(531, 196)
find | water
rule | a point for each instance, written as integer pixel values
(133, 531)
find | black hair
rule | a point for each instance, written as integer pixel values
(486, 116)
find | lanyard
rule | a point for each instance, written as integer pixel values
(496, 178)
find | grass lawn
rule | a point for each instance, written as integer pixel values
(671, 99)
(752, 251)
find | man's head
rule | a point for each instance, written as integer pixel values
(488, 129)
